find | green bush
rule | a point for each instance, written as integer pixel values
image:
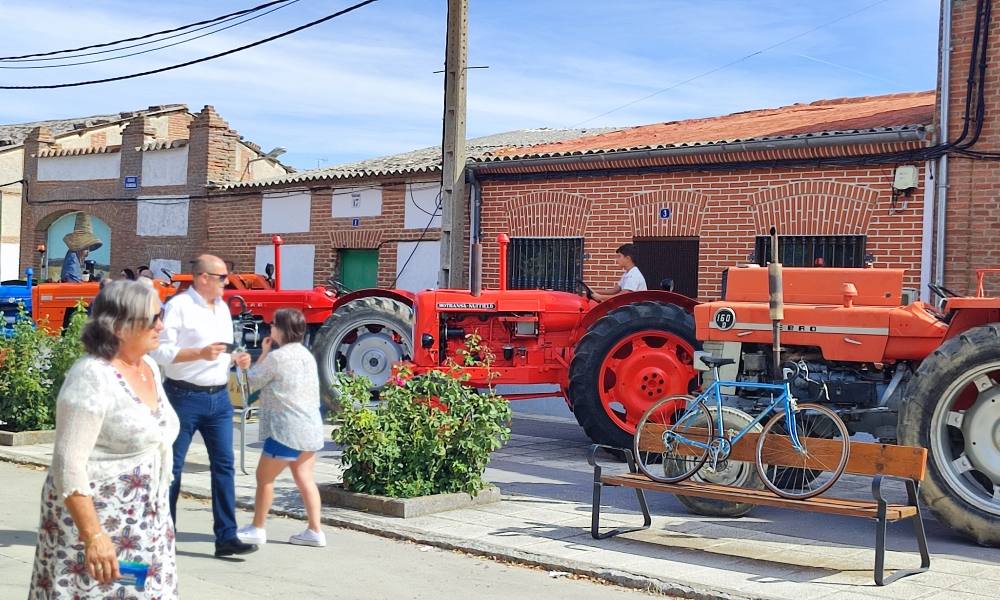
(34, 367)
(429, 434)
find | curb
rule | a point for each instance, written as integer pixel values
(658, 585)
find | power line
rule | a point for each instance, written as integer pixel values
(733, 62)
(191, 62)
(110, 58)
(143, 37)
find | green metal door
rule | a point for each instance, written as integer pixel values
(359, 268)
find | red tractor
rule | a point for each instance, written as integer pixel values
(610, 360)
(918, 374)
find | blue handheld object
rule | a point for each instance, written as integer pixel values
(133, 573)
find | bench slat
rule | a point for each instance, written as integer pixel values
(820, 504)
(867, 458)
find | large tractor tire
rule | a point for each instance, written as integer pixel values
(952, 408)
(365, 337)
(627, 360)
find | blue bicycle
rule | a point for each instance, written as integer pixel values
(800, 452)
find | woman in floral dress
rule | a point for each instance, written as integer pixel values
(105, 498)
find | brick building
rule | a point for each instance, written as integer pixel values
(966, 194)
(371, 223)
(144, 180)
(694, 195)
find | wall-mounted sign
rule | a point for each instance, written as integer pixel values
(132, 182)
(355, 222)
(664, 213)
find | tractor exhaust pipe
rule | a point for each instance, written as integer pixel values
(775, 304)
(476, 280)
(504, 240)
(277, 241)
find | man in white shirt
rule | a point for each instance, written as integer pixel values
(196, 330)
(631, 280)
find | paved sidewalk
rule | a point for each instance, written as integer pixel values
(544, 519)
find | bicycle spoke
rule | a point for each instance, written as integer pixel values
(814, 467)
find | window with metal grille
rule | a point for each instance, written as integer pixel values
(805, 250)
(545, 263)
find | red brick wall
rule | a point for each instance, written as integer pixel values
(726, 210)
(972, 220)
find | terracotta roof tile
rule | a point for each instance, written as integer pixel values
(841, 114)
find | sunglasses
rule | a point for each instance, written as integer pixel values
(221, 277)
(157, 318)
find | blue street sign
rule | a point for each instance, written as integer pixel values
(131, 182)
(355, 222)
(664, 213)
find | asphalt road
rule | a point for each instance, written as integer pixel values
(353, 565)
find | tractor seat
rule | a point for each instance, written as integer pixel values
(715, 361)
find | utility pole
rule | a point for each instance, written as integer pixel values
(453, 188)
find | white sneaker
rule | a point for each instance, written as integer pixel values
(309, 538)
(249, 534)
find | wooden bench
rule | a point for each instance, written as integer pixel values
(870, 459)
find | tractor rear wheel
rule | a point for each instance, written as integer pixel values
(627, 360)
(952, 408)
(365, 337)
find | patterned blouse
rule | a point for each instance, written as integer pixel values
(289, 398)
(101, 431)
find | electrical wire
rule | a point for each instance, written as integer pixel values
(733, 62)
(423, 234)
(147, 51)
(195, 61)
(143, 37)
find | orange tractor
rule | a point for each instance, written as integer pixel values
(919, 374)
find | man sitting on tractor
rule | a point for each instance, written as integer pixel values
(631, 280)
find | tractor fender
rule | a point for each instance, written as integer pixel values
(603, 308)
(403, 296)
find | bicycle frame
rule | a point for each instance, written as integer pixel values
(785, 399)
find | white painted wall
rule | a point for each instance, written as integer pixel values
(421, 202)
(8, 261)
(174, 266)
(357, 202)
(165, 167)
(421, 272)
(296, 264)
(160, 216)
(285, 212)
(80, 168)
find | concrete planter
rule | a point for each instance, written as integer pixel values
(335, 495)
(27, 438)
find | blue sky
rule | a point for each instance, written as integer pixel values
(363, 85)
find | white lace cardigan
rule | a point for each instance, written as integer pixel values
(104, 430)
(289, 398)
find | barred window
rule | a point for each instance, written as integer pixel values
(545, 263)
(810, 250)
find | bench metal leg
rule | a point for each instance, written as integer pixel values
(595, 509)
(880, 531)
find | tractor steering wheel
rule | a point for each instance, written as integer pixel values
(941, 291)
(339, 286)
(586, 289)
(168, 273)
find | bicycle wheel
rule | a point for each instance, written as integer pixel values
(800, 474)
(674, 461)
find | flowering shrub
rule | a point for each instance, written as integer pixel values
(429, 434)
(34, 366)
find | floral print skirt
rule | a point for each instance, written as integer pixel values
(135, 517)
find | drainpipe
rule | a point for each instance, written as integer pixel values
(475, 246)
(941, 196)
(927, 232)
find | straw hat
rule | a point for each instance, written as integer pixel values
(82, 236)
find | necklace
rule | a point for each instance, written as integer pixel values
(136, 368)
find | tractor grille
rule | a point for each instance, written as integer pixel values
(803, 250)
(545, 263)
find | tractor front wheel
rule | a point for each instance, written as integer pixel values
(364, 337)
(627, 360)
(952, 408)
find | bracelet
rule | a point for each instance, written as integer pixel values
(87, 542)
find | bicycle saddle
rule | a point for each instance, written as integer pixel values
(714, 361)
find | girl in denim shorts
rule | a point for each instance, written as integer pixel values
(290, 424)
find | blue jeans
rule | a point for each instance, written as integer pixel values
(212, 416)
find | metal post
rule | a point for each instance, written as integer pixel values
(453, 147)
(776, 303)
